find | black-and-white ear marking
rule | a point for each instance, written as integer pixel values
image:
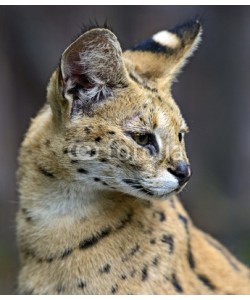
(91, 69)
(176, 45)
(161, 42)
(169, 41)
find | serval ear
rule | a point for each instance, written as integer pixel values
(90, 71)
(164, 54)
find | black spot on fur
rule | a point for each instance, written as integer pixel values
(123, 277)
(176, 284)
(152, 241)
(144, 273)
(168, 239)
(153, 90)
(91, 241)
(24, 211)
(83, 171)
(26, 214)
(87, 130)
(29, 253)
(92, 152)
(135, 249)
(49, 260)
(46, 173)
(184, 221)
(111, 132)
(103, 160)
(206, 281)
(114, 289)
(97, 179)
(74, 161)
(155, 261)
(67, 252)
(190, 257)
(159, 98)
(104, 183)
(131, 252)
(123, 153)
(82, 284)
(105, 231)
(98, 139)
(65, 151)
(105, 268)
(124, 221)
(28, 219)
(88, 242)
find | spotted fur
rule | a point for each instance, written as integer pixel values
(98, 211)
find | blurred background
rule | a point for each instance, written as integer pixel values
(213, 93)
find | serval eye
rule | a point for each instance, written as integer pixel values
(181, 136)
(141, 139)
(146, 140)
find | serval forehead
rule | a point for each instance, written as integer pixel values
(155, 110)
(159, 99)
(150, 101)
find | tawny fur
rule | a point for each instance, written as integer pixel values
(80, 229)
